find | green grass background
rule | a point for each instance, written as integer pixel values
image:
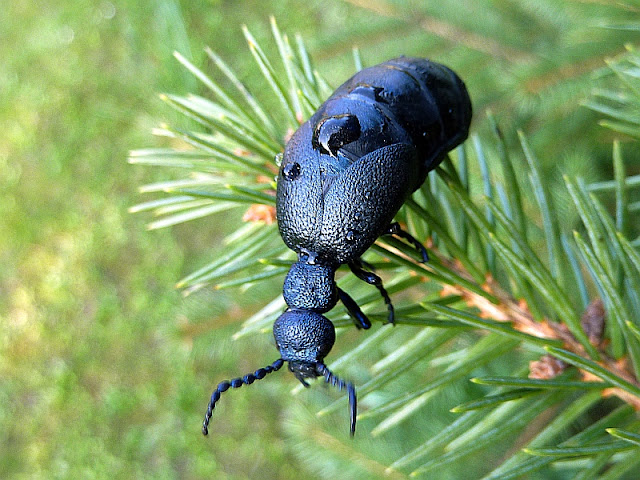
(105, 368)
(99, 377)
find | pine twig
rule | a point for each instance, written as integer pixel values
(516, 312)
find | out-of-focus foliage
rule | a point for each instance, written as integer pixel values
(503, 264)
(106, 369)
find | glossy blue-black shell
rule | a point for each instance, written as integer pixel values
(347, 171)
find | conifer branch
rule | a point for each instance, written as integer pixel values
(516, 312)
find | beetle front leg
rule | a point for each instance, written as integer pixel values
(373, 279)
(359, 318)
(396, 229)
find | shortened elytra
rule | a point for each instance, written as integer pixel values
(344, 175)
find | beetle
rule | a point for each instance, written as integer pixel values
(344, 175)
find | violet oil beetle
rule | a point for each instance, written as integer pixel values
(344, 175)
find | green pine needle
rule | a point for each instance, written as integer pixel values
(501, 250)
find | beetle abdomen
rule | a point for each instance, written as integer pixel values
(422, 100)
(340, 183)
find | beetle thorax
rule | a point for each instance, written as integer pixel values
(311, 286)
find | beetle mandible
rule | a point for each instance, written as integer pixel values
(344, 175)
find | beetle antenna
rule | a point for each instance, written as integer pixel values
(329, 377)
(225, 385)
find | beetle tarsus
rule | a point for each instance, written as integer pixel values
(396, 229)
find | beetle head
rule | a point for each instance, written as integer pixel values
(304, 338)
(310, 287)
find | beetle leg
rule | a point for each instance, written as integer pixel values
(366, 265)
(395, 229)
(373, 279)
(359, 318)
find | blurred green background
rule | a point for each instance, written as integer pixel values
(106, 369)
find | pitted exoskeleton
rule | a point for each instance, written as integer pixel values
(344, 175)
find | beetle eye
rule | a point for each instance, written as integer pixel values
(291, 171)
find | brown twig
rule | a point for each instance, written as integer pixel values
(516, 312)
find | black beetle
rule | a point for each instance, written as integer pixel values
(344, 175)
